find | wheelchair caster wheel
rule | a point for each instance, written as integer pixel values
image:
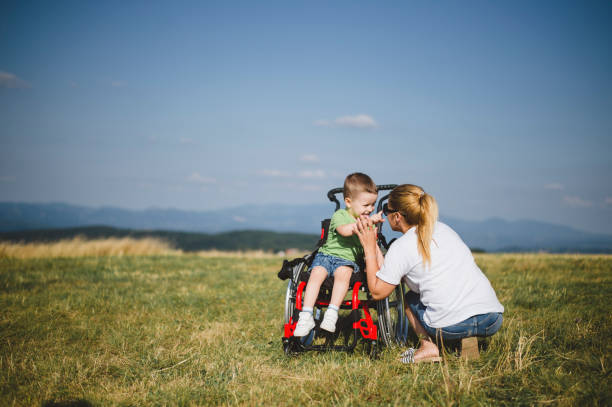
(291, 346)
(288, 347)
(374, 351)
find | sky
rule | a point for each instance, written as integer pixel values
(497, 109)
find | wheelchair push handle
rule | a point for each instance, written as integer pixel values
(331, 195)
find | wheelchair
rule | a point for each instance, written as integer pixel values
(377, 324)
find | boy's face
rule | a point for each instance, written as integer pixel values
(361, 204)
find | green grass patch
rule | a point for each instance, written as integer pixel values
(186, 330)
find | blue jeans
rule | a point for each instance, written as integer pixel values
(331, 263)
(477, 325)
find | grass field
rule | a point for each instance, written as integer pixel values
(188, 330)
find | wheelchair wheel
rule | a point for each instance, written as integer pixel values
(290, 311)
(392, 320)
(292, 289)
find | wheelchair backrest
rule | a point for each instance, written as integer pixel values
(324, 232)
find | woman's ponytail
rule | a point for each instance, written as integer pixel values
(425, 227)
(419, 209)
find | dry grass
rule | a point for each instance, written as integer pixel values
(78, 247)
(191, 331)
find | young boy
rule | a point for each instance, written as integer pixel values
(338, 256)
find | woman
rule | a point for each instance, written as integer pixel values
(450, 297)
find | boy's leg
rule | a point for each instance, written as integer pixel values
(305, 323)
(342, 278)
(318, 274)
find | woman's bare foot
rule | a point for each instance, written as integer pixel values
(427, 351)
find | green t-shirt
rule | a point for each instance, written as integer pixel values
(348, 248)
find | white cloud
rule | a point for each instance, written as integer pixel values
(555, 186)
(11, 81)
(312, 174)
(309, 158)
(576, 202)
(196, 178)
(186, 140)
(360, 121)
(275, 173)
(239, 219)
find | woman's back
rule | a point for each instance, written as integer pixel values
(452, 287)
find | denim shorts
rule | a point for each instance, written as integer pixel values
(331, 263)
(477, 325)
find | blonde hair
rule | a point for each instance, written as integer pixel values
(358, 182)
(419, 209)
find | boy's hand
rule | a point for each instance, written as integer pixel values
(377, 218)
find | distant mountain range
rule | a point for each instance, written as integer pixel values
(490, 235)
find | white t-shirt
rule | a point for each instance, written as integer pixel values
(452, 288)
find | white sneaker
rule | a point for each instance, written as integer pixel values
(329, 321)
(304, 325)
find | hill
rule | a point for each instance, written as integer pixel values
(187, 241)
(492, 235)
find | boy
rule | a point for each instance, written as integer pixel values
(339, 255)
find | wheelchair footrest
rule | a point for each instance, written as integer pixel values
(366, 325)
(367, 328)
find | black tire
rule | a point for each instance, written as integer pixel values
(373, 350)
(292, 289)
(290, 311)
(392, 320)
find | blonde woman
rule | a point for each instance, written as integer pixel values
(450, 298)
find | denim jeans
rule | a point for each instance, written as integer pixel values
(331, 263)
(477, 325)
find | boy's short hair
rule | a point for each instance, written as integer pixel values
(358, 182)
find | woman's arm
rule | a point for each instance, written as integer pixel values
(366, 231)
(379, 257)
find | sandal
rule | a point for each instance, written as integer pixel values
(407, 357)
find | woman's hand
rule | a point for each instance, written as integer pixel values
(366, 231)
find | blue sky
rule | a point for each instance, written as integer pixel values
(496, 108)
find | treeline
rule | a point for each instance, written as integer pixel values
(186, 241)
